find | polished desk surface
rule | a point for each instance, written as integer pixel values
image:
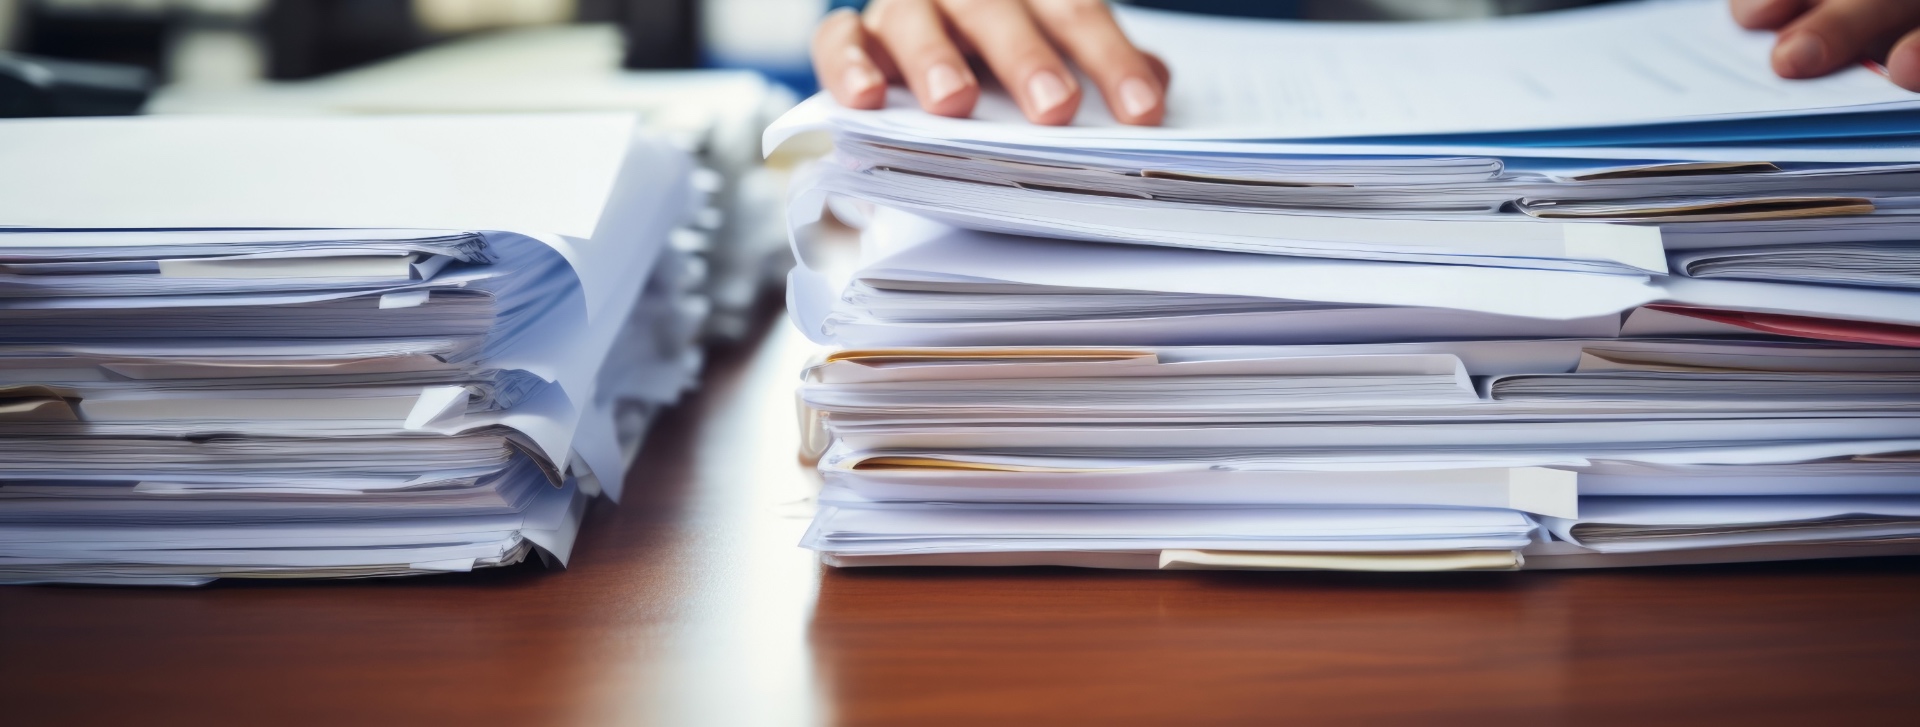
(689, 604)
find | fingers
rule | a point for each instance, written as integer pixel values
(914, 34)
(841, 62)
(1160, 69)
(1838, 32)
(1766, 14)
(1903, 63)
(1134, 88)
(921, 42)
(1005, 36)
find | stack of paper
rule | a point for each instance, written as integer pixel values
(328, 348)
(716, 115)
(1583, 289)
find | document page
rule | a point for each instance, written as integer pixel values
(1634, 63)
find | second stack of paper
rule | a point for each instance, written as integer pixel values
(1684, 336)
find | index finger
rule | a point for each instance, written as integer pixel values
(1134, 89)
(842, 63)
(1766, 14)
(1838, 32)
(915, 35)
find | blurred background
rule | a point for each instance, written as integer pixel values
(227, 43)
(202, 46)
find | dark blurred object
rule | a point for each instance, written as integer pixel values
(601, 11)
(133, 36)
(299, 39)
(660, 33)
(307, 38)
(31, 86)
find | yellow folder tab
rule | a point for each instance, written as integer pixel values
(1592, 362)
(1888, 457)
(952, 465)
(34, 403)
(1677, 169)
(1226, 179)
(1064, 189)
(1383, 562)
(886, 356)
(1700, 210)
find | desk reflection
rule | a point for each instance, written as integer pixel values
(912, 645)
(963, 646)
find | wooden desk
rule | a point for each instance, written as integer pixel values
(689, 604)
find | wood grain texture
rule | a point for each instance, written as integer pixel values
(688, 604)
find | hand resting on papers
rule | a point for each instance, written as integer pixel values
(1024, 43)
(1818, 38)
(926, 44)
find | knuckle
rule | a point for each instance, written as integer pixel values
(879, 13)
(1036, 57)
(1120, 55)
(930, 54)
(927, 51)
(964, 7)
(1074, 11)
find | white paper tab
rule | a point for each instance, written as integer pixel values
(437, 404)
(1544, 491)
(404, 299)
(1636, 246)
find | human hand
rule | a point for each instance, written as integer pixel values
(1818, 37)
(926, 44)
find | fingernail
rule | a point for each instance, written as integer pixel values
(1801, 53)
(1903, 67)
(860, 79)
(1137, 98)
(943, 81)
(1046, 91)
(1743, 10)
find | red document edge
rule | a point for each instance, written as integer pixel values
(1826, 329)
